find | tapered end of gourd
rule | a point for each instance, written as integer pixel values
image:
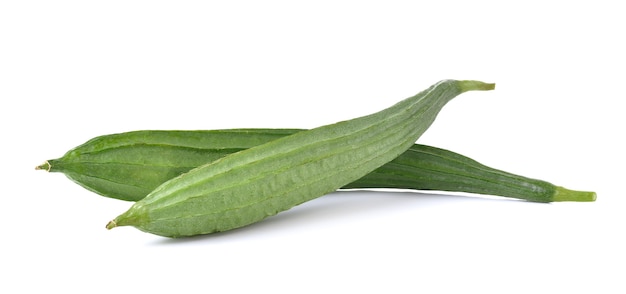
(117, 222)
(44, 166)
(135, 216)
(563, 194)
(111, 224)
(475, 86)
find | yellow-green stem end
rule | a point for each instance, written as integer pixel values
(563, 194)
(475, 86)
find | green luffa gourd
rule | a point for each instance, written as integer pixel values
(250, 185)
(128, 166)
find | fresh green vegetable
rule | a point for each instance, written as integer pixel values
(130, 165)
(250, 185)
(429, 168)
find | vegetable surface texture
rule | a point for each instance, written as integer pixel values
(130, 165)
(250, 185)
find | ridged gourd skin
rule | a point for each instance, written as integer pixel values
(128, 166)
(429, 168)
(247, 186)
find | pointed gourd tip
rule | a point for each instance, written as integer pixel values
(111, 224)
(44, 166)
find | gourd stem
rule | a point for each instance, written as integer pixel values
(111, 225)
(470, 85)
(563, 194)
(44, 166)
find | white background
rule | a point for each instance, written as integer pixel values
(73, 70)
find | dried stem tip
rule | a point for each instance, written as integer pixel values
(44, 166)
(111, 225)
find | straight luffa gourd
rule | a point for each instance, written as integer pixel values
(250, 185)
(130, 165)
